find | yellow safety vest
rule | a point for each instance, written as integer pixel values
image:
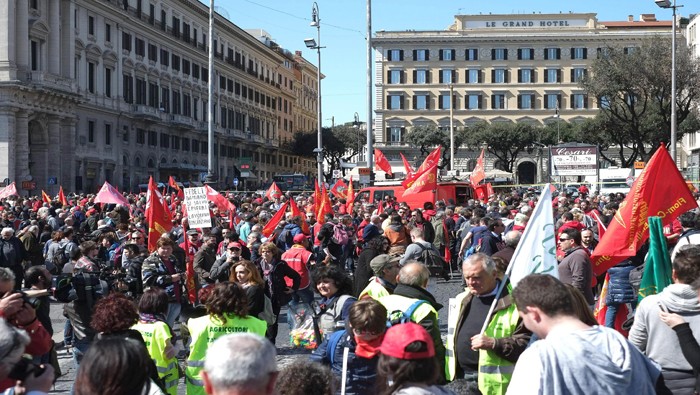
(204, 331)
(494, 372)
(156, 335)
(374, 290)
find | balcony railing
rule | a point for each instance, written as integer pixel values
(52, 81)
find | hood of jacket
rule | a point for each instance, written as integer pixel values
(680, 298)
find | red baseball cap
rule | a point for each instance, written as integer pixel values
(299, 238)
(398, 337)
(234, 244)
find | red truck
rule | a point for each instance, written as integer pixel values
(452, 192)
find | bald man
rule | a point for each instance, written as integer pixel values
(411, 298)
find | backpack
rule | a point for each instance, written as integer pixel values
(635, 277)
(267, 315)
(431, 258)
(59, 258)
(284, 239)
(340, 235)
(401, 317)
(439, 231)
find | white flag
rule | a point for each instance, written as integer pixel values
(536, 251)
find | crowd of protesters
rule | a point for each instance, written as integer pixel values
(133, 327)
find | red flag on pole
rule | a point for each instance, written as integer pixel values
(478, 174)
(8, 191)
(406, 165)
(189, 268)
(350, 200)
(432, 159)
(274, 192)
(326, 206)
(157, 215)
(45, 197)
(448, 252)
(425, 182)
(275, 220)
(601, 226)
(297, 212)
(62, 196)
(340, 189)
(629, 228)
(381, 162)
(173, 184)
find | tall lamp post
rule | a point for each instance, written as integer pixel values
(356, 125)
(313, 44)
(667, 4)
(452, 129)
(211, 177)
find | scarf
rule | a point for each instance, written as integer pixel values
(368, 349)
(151, 318)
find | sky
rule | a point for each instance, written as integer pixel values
(344, 27)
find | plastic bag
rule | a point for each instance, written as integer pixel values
(302, 332)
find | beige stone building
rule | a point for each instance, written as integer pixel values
(116, 90)
(500, 68)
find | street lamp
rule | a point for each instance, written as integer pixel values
(667, 4)
(356, 125)
(452, 129)
(313, 44)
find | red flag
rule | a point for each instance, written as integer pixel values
(274, 192)
(601, 226)
(425, 182)
(189, 268)
(478, 174)
(173, 184)
(340, 189)
(432, 159)
(380, 207)
(62, 197)
(350, 200)
(448, 253)
(157, 215)
(489, 190)
(326, 206)
(406, 165)
(45, 197)
(629, 228)
(275, 220)
(8, 191)
(481, 192)
(218, 199)
(601, 309)
(381, 162)
(317, 198)
(297, 212)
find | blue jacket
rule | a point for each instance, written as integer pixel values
(294, 230)
(362, 372)
(619, 288)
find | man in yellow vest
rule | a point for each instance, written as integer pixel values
(486, 358)
(412, 301)
(240, 363)
(386, 269)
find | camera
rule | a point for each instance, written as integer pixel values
(32, 301)
(23, 368)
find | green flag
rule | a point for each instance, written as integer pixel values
(657, 269)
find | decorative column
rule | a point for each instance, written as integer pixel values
(22, 35)
(67, 42)
(54, 37)
(7, 153)
(21, 145)
(54, 152)
(67, 143)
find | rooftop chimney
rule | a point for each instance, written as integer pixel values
(648, 17)
(630, 18)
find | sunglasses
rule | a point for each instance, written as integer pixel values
(234, 249)
(562, 239)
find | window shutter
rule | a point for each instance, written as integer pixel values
(401, 102)
(571, 100)
(427, 76)
(440, 77)
(493, 76)
(441, 55)
(572, 50)
(533, 76)
(546, 54)
(493, 102)
(585, 73)
(573, 75)
(559, 102)
(558, 53)
(506, 76)
(559, 75)
(388, 76)
(440, 102)
(481, 101)
(598, 51)
(402, 79)
(520, 75)
(493, 54)
(401, 55)
(415, 74)
(415, 101)
(520, 54)
(427, 54)
(388, 55)
(466, 54)
(585, 53)
(466, 76)
(415, 54)
(476, 54)
(481, 76)
(520, 101)
(454, 76)
(585, 101)
(427, 102)
(388, 102)
(453, 53)
(505, 53)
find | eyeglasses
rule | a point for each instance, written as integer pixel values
(563, 239)
(234, 249)
(364, 333)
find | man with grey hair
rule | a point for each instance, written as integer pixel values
(240, 363)
(487, 358)
(12, 254)
(511, 240)
(412, 300)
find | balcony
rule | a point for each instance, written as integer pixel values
(181, 121)
(50, 81)
(255, 139)
(145, 112)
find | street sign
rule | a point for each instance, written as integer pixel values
(52, 181)
(337, 174)
(235, 182)
(364, 173)
(639, 165)
(29, 185)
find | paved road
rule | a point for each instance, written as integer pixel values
(441, 289)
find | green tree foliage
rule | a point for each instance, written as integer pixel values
(427, 137)
(504, 140)
(633, 88)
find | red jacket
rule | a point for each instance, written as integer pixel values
(298, 258)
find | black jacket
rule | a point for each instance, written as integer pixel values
(276, 285)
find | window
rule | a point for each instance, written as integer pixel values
(91, 131)
(395, 102)
(421, 55)
(128, 88)
(603, 102)
(164, 140)
(526, 53)
(152, 138)
(552, 76)
(176, 27)
(551, 101)
(177, 104)
(195, 70)
(164, 57)
(471, 54)
(578, 73)
(108, 134)
(165, 99)
(175, 142)
(603, 53)
(125, 134)
(186, 105)
(499, 54)
(108, 33)
(474, 101)
(447, 54)
(629, 50)
(444, 101)
(474, 76)
(395, 55)
(175, 62)
(91, 25)
(152, 52)
(552, 53)
(395, 76)
(526, 101)
(140, 91)
(446, 76)
(579, 101)
(91, 77)
(108, 82)
(140, 47)
(498, 101)
(140, 136)
(421, 102)
(195, 145)
(153, 99)
(526, 76)
(421, 76)
(185, 144)
(163, 22)
(395, 134)
(126, 41)
(35, 55)
(499, 76)
(579, 53)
